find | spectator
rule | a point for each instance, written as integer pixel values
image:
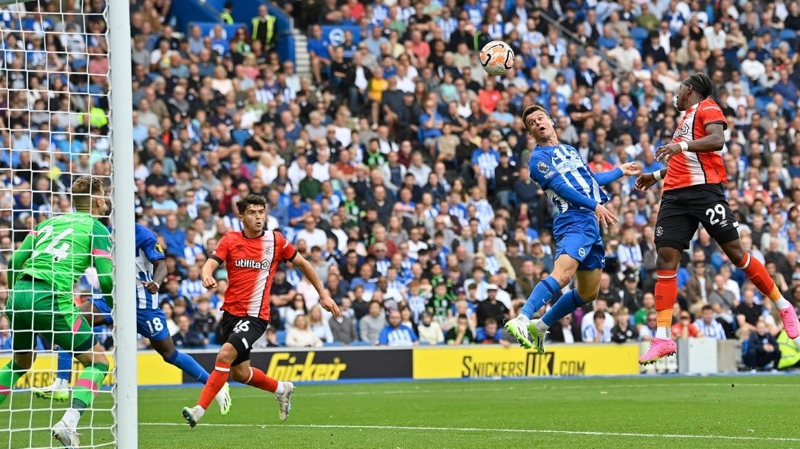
(622, 331)
(460, 334)
(300, 336)
(397, 334)
(318, 325)
(429, 330)
(491, 333)
(747, 314)
(186, 337)
(564, 331)
(684, 328)
(491, 307)
(343, 328)
(203, 321)
(372, 325)
(762, 349)
(708, 326)
(597, 332)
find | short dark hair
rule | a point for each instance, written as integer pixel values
(707, 307)
(251, 200)
(530, 110)
(700, 83)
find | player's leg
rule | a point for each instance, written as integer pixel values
(19, 312)
(152, 324)
(675, 227)
(564, 269)
(98, 313)
(73, 332)
(588, 280)
(241, 333)
(758, 275)
(254, 377)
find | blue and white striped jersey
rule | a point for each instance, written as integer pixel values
(559, 165)
(148, 251)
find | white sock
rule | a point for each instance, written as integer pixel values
(62, 383)
(662, 332)
(523, 319)
(541, 327)
(782, 303)
(71, 418)
(280, 388)
(199, 412)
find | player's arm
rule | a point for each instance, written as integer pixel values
(566, 191)
(18, 259)
(712, 142)
(308, 271)
(606, 178)
(155, 254)
(207, 273)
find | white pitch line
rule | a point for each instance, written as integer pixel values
(478, 429)
(517, 388)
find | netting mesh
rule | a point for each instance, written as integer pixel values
(54, 102)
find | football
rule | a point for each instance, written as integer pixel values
(497, 57)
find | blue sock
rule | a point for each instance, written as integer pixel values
(542, 293)
(189, 366)
(563, 307)
(64, 369)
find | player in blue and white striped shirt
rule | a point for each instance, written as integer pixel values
(575, 191)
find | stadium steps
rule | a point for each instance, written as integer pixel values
(302, 60)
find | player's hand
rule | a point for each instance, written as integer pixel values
(645, 181)
(664, 153)
(151, 287)
(328, 304)
(605, 216)
(209, 282)
(631, 169)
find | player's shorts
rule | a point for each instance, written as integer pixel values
(682, 210)
(242, 332)
(152, 324)
(103, 309)
(34, 308)
(579, 238)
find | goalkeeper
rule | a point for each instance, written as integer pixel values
(41, 275)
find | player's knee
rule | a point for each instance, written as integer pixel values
(24, 360)
(734, 251)
(668, 258)
(589, 294)
(227, 354)
(166, 354)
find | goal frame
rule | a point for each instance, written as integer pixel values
(121, 106)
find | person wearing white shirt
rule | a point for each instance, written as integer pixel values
(708, 326)
(600, 306)
(321, 168)
(311, 235)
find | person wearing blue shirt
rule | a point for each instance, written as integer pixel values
(397, 334)
(485, 159)
(576, 195)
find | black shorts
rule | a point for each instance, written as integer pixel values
(682, 210)
(242, 332)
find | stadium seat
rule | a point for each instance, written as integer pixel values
(639, 35)
(360, 343)
(333, 343)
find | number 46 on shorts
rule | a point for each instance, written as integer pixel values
(241, 326)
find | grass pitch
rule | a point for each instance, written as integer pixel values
(649, 412)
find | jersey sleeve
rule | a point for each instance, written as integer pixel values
(541, 171)
(223, 247)
(101, 259)
(149, 244)
(710, 113)
(284, 248)
(101, 242)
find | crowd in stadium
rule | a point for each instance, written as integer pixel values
(399, 169)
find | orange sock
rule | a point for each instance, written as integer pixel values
(758, 275)
(260, 380)
(666, 294)
(216, 380)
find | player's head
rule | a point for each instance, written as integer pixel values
(88, 195)
(693, 90)
(538, 123)
(252, 212)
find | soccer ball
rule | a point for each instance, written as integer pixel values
(497, 57)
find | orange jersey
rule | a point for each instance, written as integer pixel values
(686, 168)
(251, 264)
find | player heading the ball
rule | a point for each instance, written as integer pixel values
(251, 258)
(694, 194)
(575, 191)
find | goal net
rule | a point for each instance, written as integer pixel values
(55, 104)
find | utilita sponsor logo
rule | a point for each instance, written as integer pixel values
(247, 263)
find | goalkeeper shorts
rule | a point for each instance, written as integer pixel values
(34, 308)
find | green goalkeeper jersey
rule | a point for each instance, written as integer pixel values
(61, 249)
